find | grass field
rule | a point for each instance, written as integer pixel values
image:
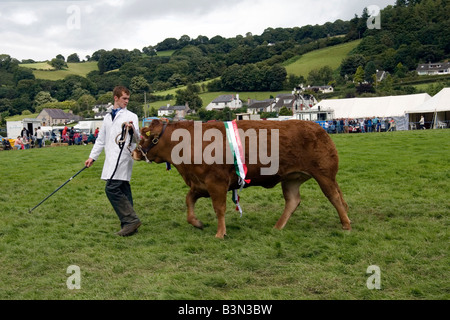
(396, 184)
(329, 56)
(42, 70)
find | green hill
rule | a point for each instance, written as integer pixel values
(42, 70)
(331, 56)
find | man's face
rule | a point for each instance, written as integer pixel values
(122, 102)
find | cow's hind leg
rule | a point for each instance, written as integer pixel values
(191, 198)
(292, 199)
(332, 191)
(218, 195)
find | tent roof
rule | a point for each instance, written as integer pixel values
(390, 106)
(439, 102)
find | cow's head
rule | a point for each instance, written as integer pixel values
(150, 136)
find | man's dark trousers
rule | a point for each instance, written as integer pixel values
(119, 195)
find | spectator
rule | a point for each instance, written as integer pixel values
(361, 125)
(26, 143)
(39, 136)
(421, 123)
(25, 133)
(71, 136)
(18, 144)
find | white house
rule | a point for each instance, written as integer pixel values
(228, 100)
(323, 89)
(431, 69)
(180, 111)
(256, 106)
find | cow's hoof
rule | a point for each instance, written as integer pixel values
(347, 227)
(221, 236)
(198, 224)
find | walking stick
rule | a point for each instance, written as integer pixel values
(57, 189)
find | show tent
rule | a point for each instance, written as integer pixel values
(395, 107)
(435, 110)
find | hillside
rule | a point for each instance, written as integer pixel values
(43, 70)
(329, 56)
(298, 66)
(345, 54)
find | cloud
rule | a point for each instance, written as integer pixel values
(40, 30)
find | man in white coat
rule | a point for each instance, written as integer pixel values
(118, 188)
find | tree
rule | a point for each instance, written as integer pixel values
(73, 58)
(359, 75)
(400, 70)
(86, 102)
(350, 64)
(369, 71)
(58, 64)
(285, 112)
(190, 95)
(43, 97)
(139, 84)
(320, 76)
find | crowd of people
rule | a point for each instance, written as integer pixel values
(363, 125)
(26, 140)
(74, 137)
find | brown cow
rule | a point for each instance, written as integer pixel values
(305, 151)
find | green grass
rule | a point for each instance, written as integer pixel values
(329, 56)
(396, 184)
(42, 70)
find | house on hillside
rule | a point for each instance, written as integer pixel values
(179, 111)
(432, 69)
(101, 110)
(294, 102)
(256, 106)
(322, 89)
(228, 100)
(53, 117)
(381, 75)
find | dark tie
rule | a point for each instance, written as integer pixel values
(114, 112)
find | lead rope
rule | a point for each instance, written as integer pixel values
(121, 143)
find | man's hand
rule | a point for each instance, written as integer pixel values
(89, 162)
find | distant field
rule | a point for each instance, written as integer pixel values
(331, 56)
(166, 53)
(43, 70)
(37, 66)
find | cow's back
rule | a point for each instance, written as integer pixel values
(303, 146)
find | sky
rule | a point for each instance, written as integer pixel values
(40, 30)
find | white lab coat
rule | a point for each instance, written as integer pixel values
(107, 140)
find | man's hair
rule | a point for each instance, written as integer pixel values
(120, 90)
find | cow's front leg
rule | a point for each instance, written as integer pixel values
(219, 200)
(191, 198)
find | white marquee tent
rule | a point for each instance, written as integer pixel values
(435, 110)
(381, 107)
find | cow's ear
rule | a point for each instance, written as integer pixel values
(145, 131)
(155, 122)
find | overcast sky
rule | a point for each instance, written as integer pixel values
(39, 30)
